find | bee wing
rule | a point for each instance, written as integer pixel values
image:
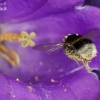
(51, 47)
(93, 34)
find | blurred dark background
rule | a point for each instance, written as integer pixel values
(92, 3)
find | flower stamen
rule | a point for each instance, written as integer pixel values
(10, 55)
(24, 38)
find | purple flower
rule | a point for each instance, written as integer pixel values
(47, 76)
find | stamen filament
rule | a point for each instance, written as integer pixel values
(24, 38)
(9, 37)
(10, 55)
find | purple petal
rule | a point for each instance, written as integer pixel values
(79, 83)
(11, 89)
(42, 69)
(82, 84)
(51, 29)
(73, 87)
(29, 9)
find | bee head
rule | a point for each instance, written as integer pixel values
(71, 47)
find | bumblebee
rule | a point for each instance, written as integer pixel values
(77, 47)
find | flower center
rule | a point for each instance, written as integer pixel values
(24, 39)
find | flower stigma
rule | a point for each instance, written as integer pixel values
(24, 39)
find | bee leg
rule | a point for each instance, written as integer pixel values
(87, 66)
(77, 62)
